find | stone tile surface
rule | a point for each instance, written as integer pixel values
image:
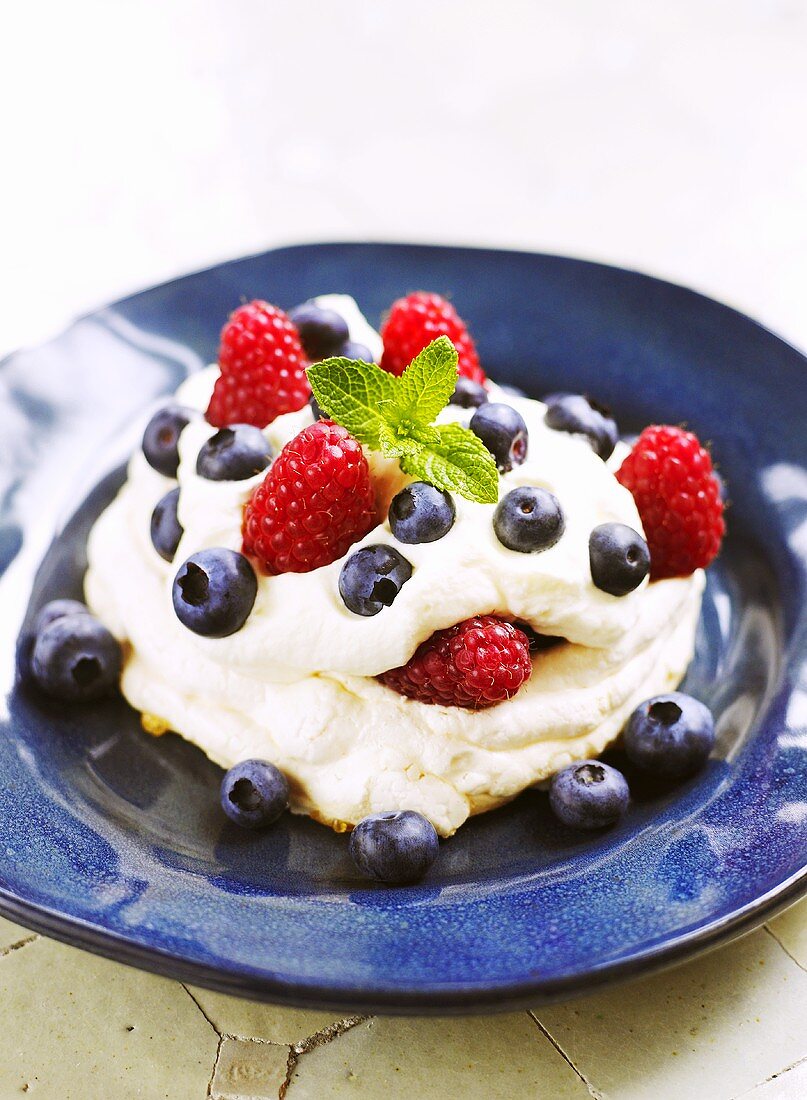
(790, 929)
(495, 1058)
(77, 1027)
(790, 1085)
(246, 1070)
(249, 1020)
(11, 934)
(713, 1028)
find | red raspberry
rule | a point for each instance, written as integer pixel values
(474, 664)
(262, 368)
(315, 502)
(678, 497)
(418, 319)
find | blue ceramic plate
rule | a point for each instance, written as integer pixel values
(113, 840)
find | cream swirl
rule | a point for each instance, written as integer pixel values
(296, 683)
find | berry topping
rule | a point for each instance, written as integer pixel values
(619, 558)
(678, 497)
(579, 415)
(468, 394)
(503, 432)
(234, 453)
(58, 609)
(670, 735)
(161, 438)
(421, 513)
(262, 368)
(254, 793)
(372, 578)
(314, 503)
(322, 331)
(214, 592)
(474, 664)
(418, 319)
(351, 350)
(165, 528)
(75, 658)
(528, 520)
(394, 847)
(589, 795)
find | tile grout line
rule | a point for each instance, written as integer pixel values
(219, 1041)
(776, 940)
(209, 1092)
(318, 1039)
(218, 1033)
(18, 945)
(592, 1090)
(773, 1077)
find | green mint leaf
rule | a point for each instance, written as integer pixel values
(355, 395)
(458, 461)
(394, 416)
(428, 382)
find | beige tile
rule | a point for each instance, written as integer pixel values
(251, 1020)
(76, 1027)
(790, 930)
(246, 1070)
(791, 1085)
(12, 933)
(490, 1057)
(712, 1028)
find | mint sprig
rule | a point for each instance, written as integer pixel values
(396, 416)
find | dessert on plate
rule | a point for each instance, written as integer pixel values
(376, 586)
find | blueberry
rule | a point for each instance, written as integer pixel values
(579, 415)
(75, 658)
(165, 529)
(234, 453)
(161, 438)
(421, 513)
(588, 795)
(468, 394)
(394, 847)
(254, 793)
(316, 411)
(322, 331)
(503, 432)
(353, 350)
(528, 519)
(372, 578)
(619, 558)
(214, 592)
(670, 735)
(58, 609)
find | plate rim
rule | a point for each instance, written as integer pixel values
(437, 1000)
(464, 998)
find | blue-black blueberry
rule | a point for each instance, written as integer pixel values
(161, 438)
(214, 592)
(588, 795)
(254, 793)
(395, 847)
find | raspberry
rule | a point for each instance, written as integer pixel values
(315, 502)
(418, 319)
(262, 368)
(678, 497)
(474, 664)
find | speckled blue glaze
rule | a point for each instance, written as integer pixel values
(114, 841)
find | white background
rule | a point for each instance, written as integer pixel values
(143, 139)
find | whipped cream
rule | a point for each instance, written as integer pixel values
(296, 684)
